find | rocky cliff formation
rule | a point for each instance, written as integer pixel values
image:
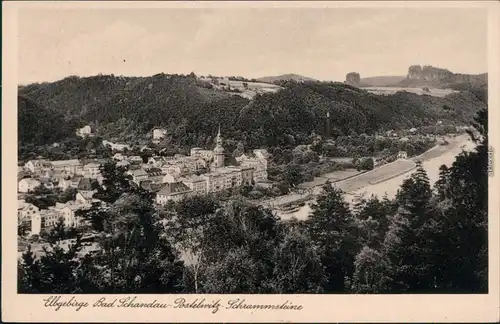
(418, 76)
(353, 79)
(440, 78)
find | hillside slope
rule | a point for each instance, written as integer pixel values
(126, 109)
(381, 81)
(285, 77)
(39, 124)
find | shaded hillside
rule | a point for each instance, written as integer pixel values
(126, 109)
(302, 107)
(38, 124)
(284, 77)
(354, 79)
(381, 81)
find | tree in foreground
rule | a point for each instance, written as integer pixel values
(331, 228)
(297, 267)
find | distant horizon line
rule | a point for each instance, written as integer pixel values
(235, 75)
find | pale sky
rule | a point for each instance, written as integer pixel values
(320, 43)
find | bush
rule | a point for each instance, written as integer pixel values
(366, 164)
(254, 194)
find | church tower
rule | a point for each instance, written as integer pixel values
(218, 152)
(327, 133)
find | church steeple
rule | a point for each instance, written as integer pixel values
(218, 140)
(218, 151)
(327, 132)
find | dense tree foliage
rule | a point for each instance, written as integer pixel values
(126, 110)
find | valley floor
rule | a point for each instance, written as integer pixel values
(384, 180)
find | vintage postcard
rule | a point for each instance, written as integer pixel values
(250, 161)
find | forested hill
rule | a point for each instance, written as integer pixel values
(126, 109)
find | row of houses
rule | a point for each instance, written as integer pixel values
(176, 187)
(44, 219)
(26, 185)
(63, 167)
(182, 181)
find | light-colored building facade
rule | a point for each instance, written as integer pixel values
(26, 210)
(91, 170)
(116, 146)
(69, 213)
(49, 218)
(29, 214)
(175, 191)
(159, 133)
(28, 185)
(138, 175)
(38, 166)
(402, 155)
(67, 167)
(200, 153)
(84, 131)
(196, 183)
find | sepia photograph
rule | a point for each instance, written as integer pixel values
(251, 150)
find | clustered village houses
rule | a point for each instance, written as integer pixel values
(171, 178)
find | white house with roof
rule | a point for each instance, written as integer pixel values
(402, 155)
(206, 155)
(49, 217)
(72, 182)
(119, 157)
(135, 159)
(36, 224)
(172, 192)
(26, 210)
(67, 166)
(85, 197)
(28, 184)
(91, 170)
(159, 133)
(84, 131)
(29, 214)
(116, 146)
(259, 168)
(123, 163)
(38, 166)
(215, 181)
(196, 183)
(68, 214)
(138, 175)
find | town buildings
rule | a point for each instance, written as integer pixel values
(38, 166)
(171, 178)
(44, 219)
(91, 170)
(116, 146)
(159, 134)
(402, 155)
(181, 179)
(28, 184)
(138, 175)
(84, 131)
(67, 167)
